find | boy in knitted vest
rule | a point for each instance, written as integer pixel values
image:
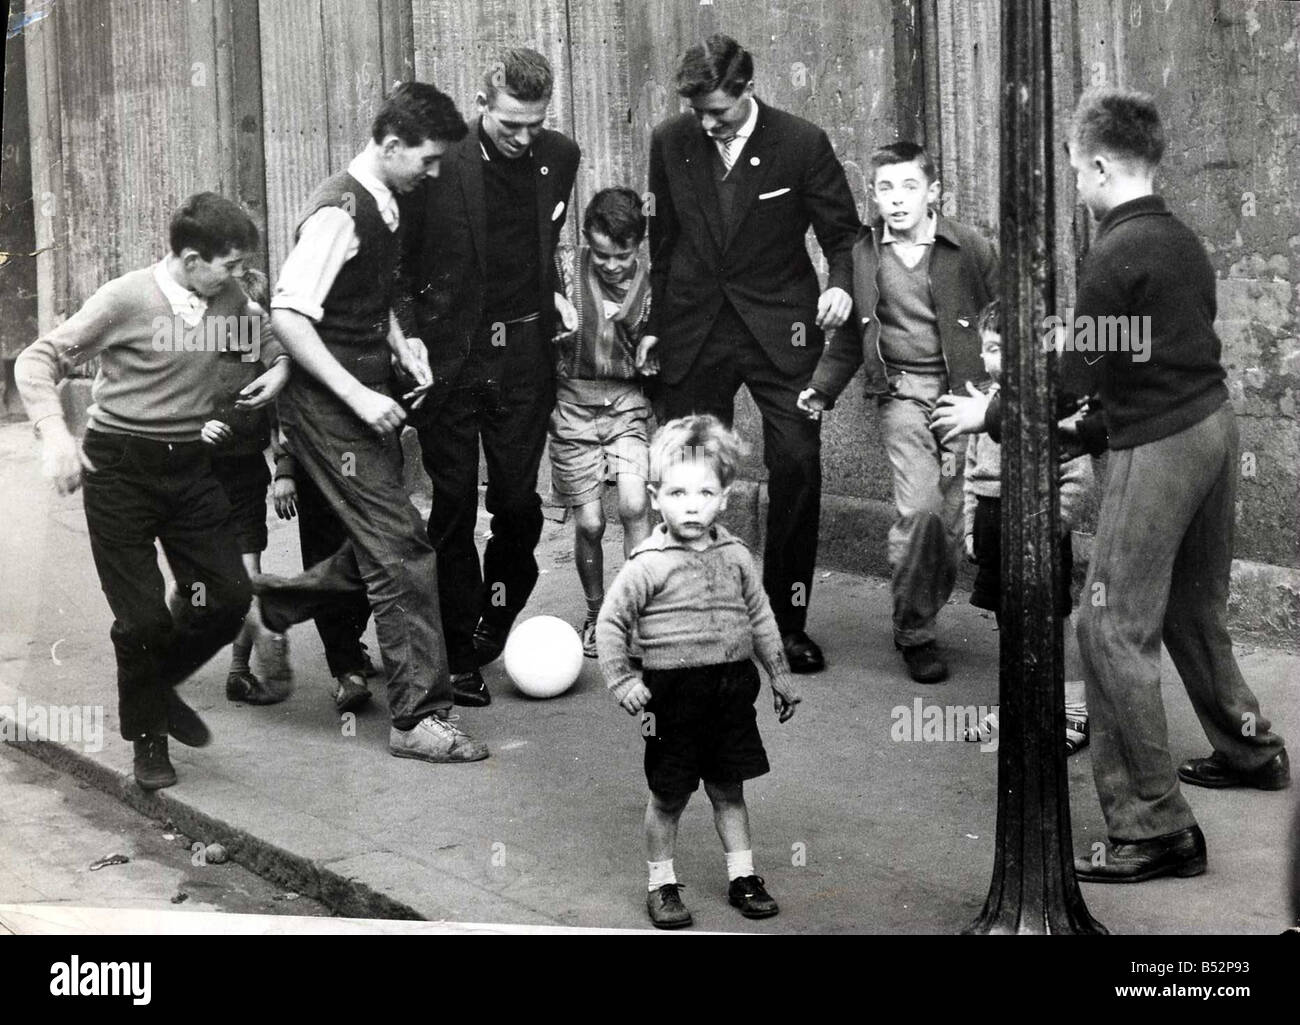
(697, 604)
(598, 430)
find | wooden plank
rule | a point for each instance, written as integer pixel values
(48, 190)
(354, 73)
(246, 116)
(17, 214)
(397, 32)
(296, 136)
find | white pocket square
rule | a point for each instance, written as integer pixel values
(773, 195)
(559, 211)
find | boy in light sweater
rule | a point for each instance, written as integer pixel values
(160, 333)
(696, 601)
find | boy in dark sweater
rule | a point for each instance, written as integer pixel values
(695, 601)
(1163, 551)
(598, 431)
(160, 333)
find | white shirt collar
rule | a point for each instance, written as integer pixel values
(189, 306)
(384, 198)
(926, 236)
(747, 129)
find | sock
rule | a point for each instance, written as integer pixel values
(661, 873)
(739, 864)
(241, 650)
(593, 606)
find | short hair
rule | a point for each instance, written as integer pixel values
(416, 111)
(718, 63)
(700, 436)
(990, 321)
(903, 153)
(616, 213)
(255, 285)
(522, 73)
(213, 225)
(1120, 123)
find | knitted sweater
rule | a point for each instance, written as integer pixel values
(689, 608)
(158, 378)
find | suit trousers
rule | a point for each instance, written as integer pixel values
(1159, 571)
(732, 356)
(387, 554)
(925, 540)
(141, 490)
(503, 398)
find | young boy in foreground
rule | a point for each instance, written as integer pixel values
(696, 601)
(598, 430)
(159, 333)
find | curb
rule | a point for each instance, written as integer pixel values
(345, 897)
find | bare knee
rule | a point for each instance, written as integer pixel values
(725, 793)
(632, 505)
(668, 805)
(589, 522)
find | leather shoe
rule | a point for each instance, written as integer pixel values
(1177, 854)
(1215, 772)
(470, 690)
(747, 894)
(152, 768)
(924, 664)
(666, 908)
(184, 723)
(489, 641)
(802, 652)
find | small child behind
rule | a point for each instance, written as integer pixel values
(598, 430)
(696, 602)
(982, 488)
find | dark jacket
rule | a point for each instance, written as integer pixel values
(444, 260)
(787, 178)
(963, 280)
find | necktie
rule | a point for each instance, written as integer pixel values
(730, 147)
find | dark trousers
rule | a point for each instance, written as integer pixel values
(1160, 571)
(502, 398)
(731, 356)
(141, 490)
(320, 534)
(387, 554)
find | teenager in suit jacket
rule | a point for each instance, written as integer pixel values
(480, 265)
(734, 186)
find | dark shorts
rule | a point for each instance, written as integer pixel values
(704, 727)
(987, 592)
(245, 480)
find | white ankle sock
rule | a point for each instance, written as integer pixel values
(661, 872)
(739, 864)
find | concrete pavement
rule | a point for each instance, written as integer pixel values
(855, 831)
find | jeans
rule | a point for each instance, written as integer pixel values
(1160, 571)
(387, 553)
(925, 541)
(140, 490)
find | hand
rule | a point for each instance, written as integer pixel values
(647, 360)
(1069, 444)
(263, 389)
(636, 699)
(955, 415)
(214, 432)
(413, 358)
(568, 315)
(784, 698)
(970, 547)
(812, 402)
(833, 308)
(377, 411)
(284, 493)
(61, 458)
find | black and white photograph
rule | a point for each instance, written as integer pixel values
(809, 468)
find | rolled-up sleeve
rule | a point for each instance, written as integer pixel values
(327, 241)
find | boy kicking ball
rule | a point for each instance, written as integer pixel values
(693, 596)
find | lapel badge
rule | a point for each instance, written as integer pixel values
(754, 161)
(545, 169)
